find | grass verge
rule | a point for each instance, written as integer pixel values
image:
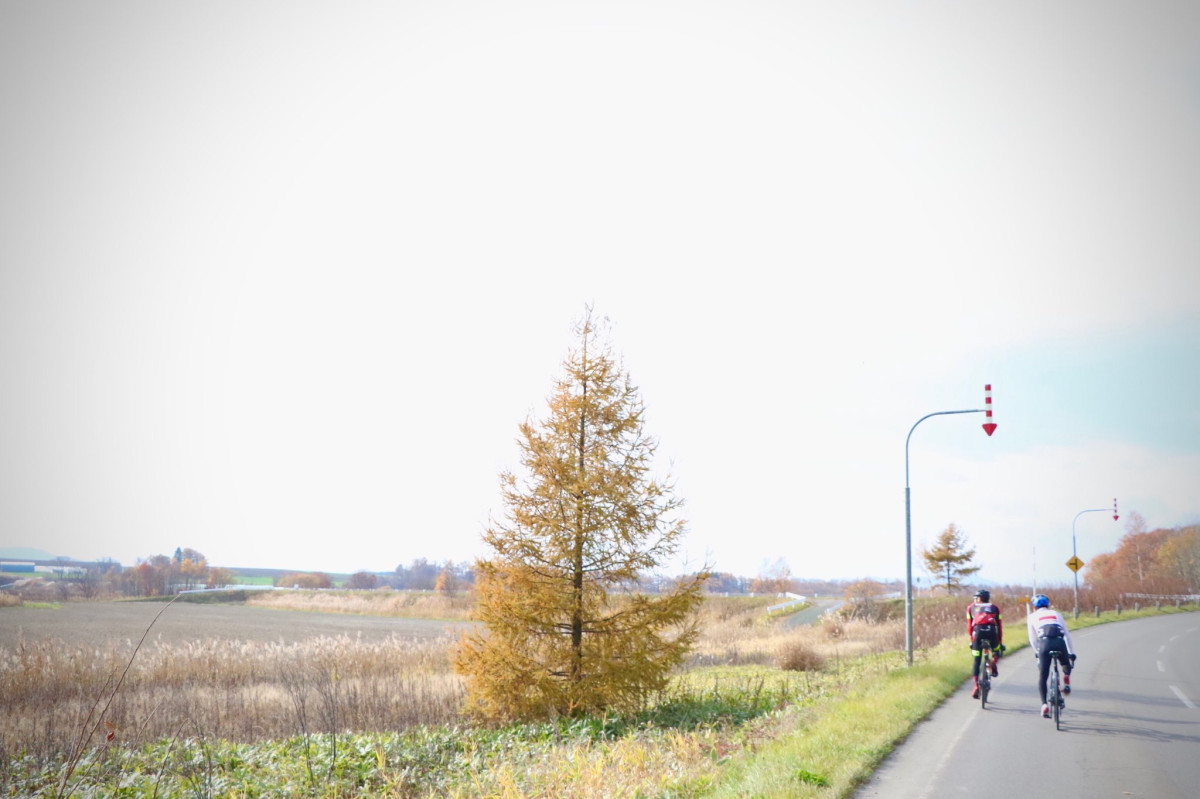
(829, 749)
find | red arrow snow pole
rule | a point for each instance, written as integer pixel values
(989, 426)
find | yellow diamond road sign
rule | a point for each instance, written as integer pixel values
(1074, 564)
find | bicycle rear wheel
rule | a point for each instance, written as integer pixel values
(985, 679)
(1056, 702)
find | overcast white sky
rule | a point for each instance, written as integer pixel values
(279, 280)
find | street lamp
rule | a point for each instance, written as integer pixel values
(1075, 564)
(989, 427)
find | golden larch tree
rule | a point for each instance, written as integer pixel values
(950, 558)
(565, 629)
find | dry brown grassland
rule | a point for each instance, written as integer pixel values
(383, 602)
(249, 691)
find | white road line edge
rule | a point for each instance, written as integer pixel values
(1187, 702)
(941, 764)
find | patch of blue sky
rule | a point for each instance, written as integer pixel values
(1133, 385)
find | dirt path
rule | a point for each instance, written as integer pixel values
(96, 623)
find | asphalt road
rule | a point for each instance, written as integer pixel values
(1131, 727)
(813, 613)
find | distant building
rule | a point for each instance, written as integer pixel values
(18, 566)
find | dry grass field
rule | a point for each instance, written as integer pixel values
(238, 672)
(99, 624)
(301, 663)
(335, 694)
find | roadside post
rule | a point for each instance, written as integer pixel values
(1075, 564)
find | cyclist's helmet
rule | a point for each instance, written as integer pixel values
(983, 595)
(1041, 601)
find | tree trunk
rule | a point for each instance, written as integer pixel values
(577, 555)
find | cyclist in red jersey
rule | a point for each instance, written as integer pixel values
(984, 624)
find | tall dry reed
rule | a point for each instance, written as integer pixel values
(438, 605)
(229, 689)
(737, 632)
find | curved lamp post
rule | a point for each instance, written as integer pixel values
(989, 427)
(1075, 564)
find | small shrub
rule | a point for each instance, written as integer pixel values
(810, 778)
(833, 626)
(799, 656)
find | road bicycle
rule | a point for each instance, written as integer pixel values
(987, 664)
(1056, 701)
(985, 675)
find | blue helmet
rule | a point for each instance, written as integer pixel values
(1041, 601)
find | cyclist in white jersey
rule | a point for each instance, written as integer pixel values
(1048, 636)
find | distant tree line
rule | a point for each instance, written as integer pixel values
(419, 575)
(1161, 562)
(188, 569)
(425, 575)
(160, 575)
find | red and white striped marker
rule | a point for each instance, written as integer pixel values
(1114, 509)
(989, 426)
